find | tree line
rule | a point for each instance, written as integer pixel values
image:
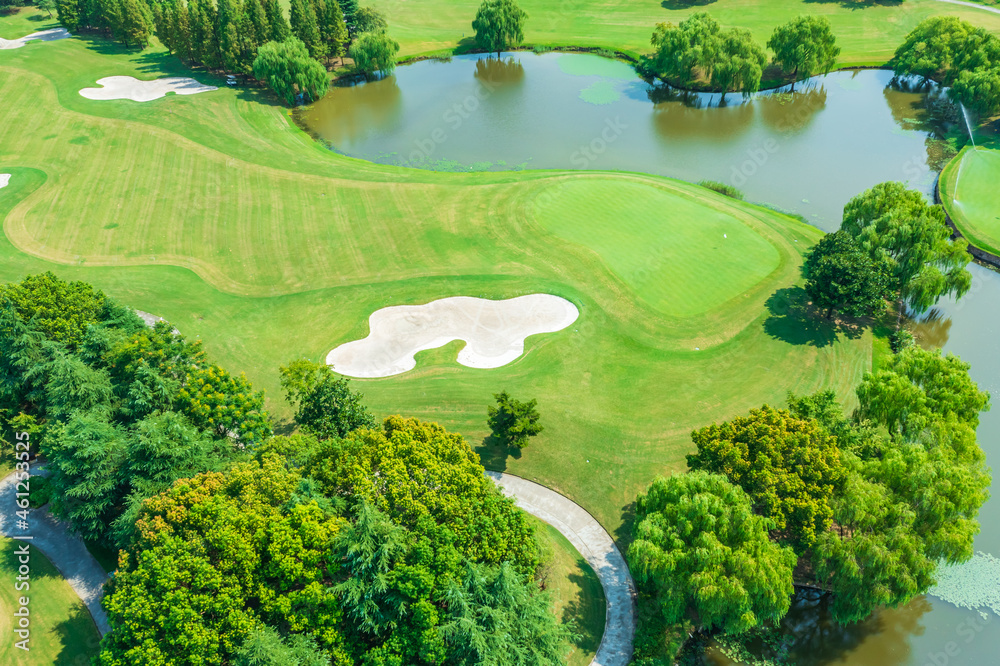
(350, 542)
(248, 37)
(699, 49)
(865, 506)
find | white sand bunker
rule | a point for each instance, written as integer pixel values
(129, 87)
(494, 332)
(43, 36)
(4, 179)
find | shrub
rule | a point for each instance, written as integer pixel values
(722, 188)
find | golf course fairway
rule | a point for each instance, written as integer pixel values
(215, 212)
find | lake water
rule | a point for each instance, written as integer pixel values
(807, 153)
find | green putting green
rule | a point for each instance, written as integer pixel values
(970, 191)
(868, 32)
(683, 255)
(62, 631)
(215, 212)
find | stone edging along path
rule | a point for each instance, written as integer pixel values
(63, 548)
(598, 548)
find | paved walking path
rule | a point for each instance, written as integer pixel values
(994, 10)
(598, 548)
(61, 546)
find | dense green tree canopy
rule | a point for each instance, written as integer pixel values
(704, 554)
(805, 46)
(374, 53)
(896, 226)
(957, 54)
(841, 276)
(789, 467)
(699, 47)
(60, 310)
(325, 404)
(499, 25)
(511, 421)
(412, 470)
(287, 69)
(369, 19)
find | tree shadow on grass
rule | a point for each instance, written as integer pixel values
(79, 638)
(494, 455)
(684, 4)
(795, 320)
(586, 613)
(856, 4)
(623, 533)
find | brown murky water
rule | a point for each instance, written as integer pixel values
(807, 153)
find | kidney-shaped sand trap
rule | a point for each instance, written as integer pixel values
(4, 179)
(129, 87)
(494, 332)
(43, 36)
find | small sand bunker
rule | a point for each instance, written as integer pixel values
(43, 36)
(494, 332)
(4, 179)
(129, 87)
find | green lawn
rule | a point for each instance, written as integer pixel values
(62, 631)
(868, 32)
(215, 212)
(576, 592)
(970, 191)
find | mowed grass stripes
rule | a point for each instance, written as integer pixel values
(216, 213)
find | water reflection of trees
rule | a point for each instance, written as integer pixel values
(933, 329)
(790, 112)
(816, 639)
(349, 112)
(504, 71)
(925, 107)
(685, 114)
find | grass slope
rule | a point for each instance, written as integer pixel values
(216, 213)
(973, 200)
(868, 32)
(62, 631)
(576, 592)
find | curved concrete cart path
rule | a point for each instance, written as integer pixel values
(61, 546)
(600, 551)
(992, 10)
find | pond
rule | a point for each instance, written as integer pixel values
(806, 153)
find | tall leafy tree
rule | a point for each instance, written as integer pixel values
(68, 13)
(499, 25)
(60, 310)
(511, 421)
(325, 405)
(805, 46)
(278, 29)
(288, 69)
(740, 63)
(492, 612)
(132, 25)
(897, 227)
(841, 276)
(682, 51)
(305, 27)
(258, 24)
(789, 467)
(332, 29)
(228, 406)
(374, 52)
(705, 556)
(369, 19)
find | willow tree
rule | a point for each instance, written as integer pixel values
(499, 25)
(805, 46)
(704, 555)
(897, 226)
